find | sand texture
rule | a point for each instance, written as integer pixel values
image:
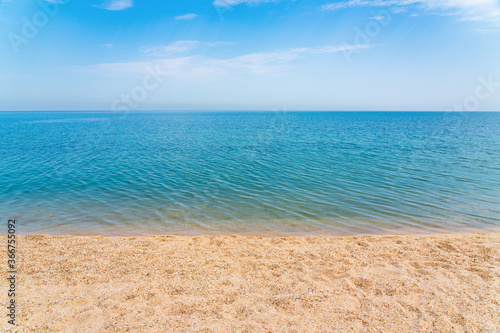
(438, 283)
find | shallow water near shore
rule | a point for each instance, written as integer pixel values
(275, 173)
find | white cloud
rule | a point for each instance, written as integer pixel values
(7, 76)
(197, 66)
(178, 47)
(117, 4)
(5, 3)
(488, 31)
(186, 17)
(230, 3)
(357, 3)
(467, 9)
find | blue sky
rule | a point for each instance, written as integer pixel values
(250, 55)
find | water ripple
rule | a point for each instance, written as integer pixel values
(209, 173)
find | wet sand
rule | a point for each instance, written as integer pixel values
(437, 283)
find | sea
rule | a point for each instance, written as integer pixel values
(276, 173)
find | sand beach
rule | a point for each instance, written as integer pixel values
(429, 283)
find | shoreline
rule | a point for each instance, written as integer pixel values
(278, 234)
(439, 282)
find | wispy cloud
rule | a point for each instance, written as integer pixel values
(357, 3)
(178, 48)
(117, 4)
(197, 66)
(488, 31)
(7, 76)
(5, 3)
(186, 17)
(466, 9)
(230, 3)
(175, 48)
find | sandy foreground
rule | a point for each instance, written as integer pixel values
(438, 283)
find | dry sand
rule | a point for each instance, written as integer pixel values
(439, 283)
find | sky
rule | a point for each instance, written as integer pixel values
(430, 55)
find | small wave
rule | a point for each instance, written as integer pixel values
(73, 120)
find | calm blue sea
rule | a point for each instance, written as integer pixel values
(275, 173)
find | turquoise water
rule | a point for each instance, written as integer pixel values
(276, 173)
